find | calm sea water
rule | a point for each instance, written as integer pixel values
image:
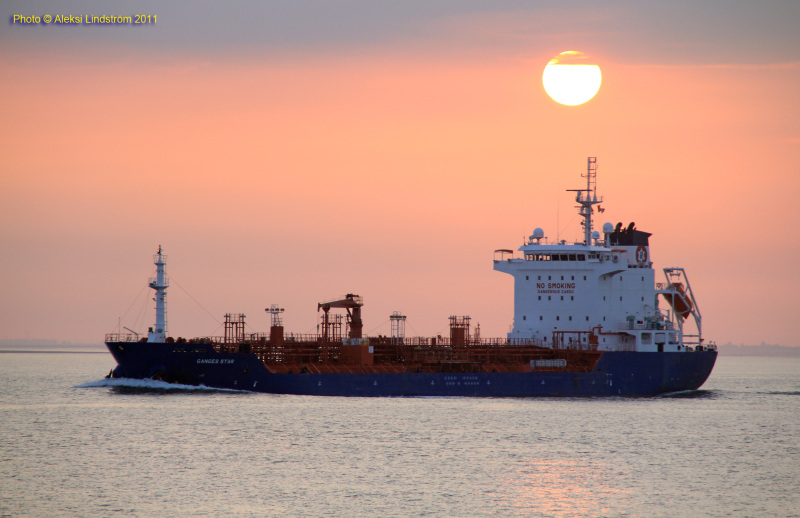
(73, 444)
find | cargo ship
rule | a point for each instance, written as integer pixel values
(589, 319)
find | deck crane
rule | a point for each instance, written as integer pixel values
(352, 303)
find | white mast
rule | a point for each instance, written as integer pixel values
(160, 284)
(590, 199)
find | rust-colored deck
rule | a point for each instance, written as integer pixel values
(433, 355)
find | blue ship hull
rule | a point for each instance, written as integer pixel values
(615, 374)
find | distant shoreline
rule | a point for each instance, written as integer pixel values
(9, 346)
(780, 351)
(52, 351)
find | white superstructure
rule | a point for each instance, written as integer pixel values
(600, 292)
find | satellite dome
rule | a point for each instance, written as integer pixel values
(538, 233)
(608, 228)
(595, 234)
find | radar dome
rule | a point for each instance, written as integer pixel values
(608, 228)
(595, 234)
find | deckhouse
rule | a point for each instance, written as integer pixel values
(600, 292)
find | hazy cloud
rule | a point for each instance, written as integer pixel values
(650, 31)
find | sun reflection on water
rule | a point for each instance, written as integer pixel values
(565, 487)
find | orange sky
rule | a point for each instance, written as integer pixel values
(392, 172)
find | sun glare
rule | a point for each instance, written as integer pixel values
(571, 78)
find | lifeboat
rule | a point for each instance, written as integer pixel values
(680, 303)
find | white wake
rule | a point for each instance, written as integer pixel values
(150, 385)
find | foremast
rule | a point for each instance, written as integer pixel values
(160, 283)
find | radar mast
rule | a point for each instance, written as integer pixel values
(587, 200)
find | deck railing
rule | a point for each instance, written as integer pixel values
(121, 337)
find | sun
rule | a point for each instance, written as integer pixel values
(571, 78)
